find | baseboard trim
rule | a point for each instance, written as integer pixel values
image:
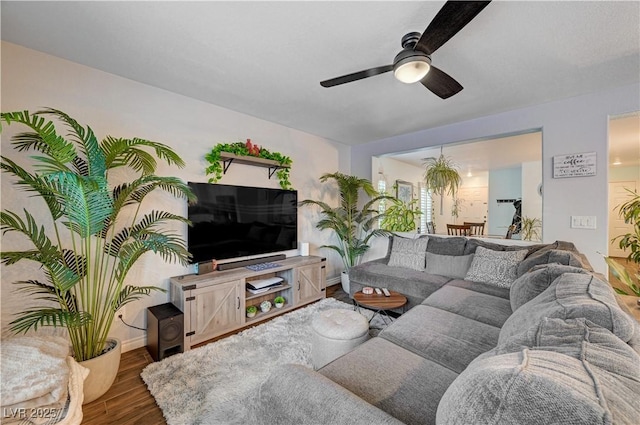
(132, 344)
(333, 281)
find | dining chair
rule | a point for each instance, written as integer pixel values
(430, 227)
(476, 228)
(458, 229)
(510, 231)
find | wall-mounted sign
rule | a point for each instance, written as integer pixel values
(574, 165)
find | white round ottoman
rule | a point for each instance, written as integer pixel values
(336, 332)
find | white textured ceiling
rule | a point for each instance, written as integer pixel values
(266, 59)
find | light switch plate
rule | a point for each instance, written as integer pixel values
(583, 221)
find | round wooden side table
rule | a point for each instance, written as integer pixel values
(379, 303)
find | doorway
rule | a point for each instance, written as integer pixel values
(624, 174)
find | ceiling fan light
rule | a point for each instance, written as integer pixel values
(411, 69)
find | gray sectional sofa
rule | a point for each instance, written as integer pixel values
(513, 335)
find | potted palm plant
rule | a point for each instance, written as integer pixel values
(353, 227)
(96, 231)
(531, 227)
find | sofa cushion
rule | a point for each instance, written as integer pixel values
(570, 296)
(531, 284)
(403, 384)
(495, 267)
(483, 288)
(446, 338)
(294, 394)
(478, 306)
(446, 246)
(409, 253)
(415, 285)
(561, 371)
(549, 256)
(455, 266)
(473, 244)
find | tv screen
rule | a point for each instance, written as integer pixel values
(238, 221)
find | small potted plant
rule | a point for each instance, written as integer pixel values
(252, 310)
(265, 306)
(279, 301)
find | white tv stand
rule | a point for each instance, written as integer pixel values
(215, 303)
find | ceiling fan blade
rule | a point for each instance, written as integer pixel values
(453, 16)
(441, 83)
(356, 76)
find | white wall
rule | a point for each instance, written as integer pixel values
(480, 179)
(578, 124)
(531, 199)
(625, 174)
(112, 105)
(393, 170)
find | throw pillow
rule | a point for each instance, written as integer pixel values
(497, 268)
(455, 266)
(409, 253)
(446, 246)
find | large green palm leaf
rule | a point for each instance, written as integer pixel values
(72, 177)
(353, 226)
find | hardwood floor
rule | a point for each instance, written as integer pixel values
(129, 401)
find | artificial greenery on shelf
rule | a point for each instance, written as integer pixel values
(247, 149)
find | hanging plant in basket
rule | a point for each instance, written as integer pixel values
(247, 148)
(440, 176)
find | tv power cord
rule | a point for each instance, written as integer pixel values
(131, 326)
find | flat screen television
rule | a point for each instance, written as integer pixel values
(239, 221)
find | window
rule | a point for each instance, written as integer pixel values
(426, 206)
(382, 188)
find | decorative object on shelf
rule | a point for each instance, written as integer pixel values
(440, 176)
(352, 226)
(96, 246)
(265, 306)
(630, 212)
(279, 302)
(252, 310)
(223, 154)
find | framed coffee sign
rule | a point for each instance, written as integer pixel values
(574, 165)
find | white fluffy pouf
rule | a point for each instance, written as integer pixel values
(336, 332)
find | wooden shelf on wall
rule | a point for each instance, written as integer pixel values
(230, 158)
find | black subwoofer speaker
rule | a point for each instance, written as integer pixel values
(165, 331)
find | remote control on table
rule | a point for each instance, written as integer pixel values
(386, 292)
(378, 291)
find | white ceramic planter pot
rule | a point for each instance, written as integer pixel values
(102, 372)
(344, 279)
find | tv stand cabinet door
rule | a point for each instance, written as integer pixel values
(310, 283)
(215, 310)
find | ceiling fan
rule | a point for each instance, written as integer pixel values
(413, 63)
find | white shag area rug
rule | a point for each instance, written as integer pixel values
(219, 380)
